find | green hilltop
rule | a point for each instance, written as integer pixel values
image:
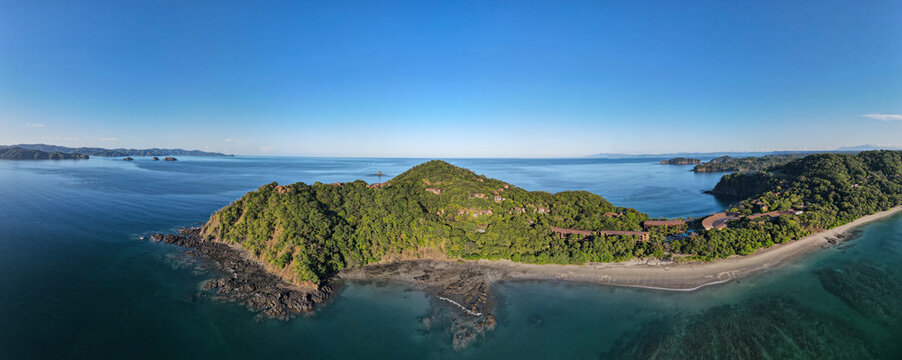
(439, 211)
(433, 210)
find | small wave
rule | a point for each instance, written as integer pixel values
(461, 306)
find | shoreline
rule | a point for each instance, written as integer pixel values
(681, 277)
(467, 287)
(468, 284)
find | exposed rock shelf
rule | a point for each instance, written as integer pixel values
(247, 281)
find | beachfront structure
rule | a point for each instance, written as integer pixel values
(717, 221)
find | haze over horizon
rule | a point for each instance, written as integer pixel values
(461, 79)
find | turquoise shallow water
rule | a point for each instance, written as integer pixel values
(77, 282)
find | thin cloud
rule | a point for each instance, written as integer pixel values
(884, 117)
(267, 148)
(34, 125)
(57, 138)
(109, 139)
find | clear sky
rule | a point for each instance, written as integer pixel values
(452, 78)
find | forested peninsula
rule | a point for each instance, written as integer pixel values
(437, 210)
(444, 228)
(745, 164)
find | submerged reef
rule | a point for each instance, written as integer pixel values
(867, 288)
(764, 327)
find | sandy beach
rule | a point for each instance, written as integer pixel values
(685, 276)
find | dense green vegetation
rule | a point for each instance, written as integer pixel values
(751, 163)
(16, 153)
(434, 207)
(830, 189)
(743, 185)
(438, 210)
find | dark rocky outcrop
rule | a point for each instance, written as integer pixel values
(247, 281)
(128, 159)
(462, 297)
(170, 158)
(155, 158)
(462, 293)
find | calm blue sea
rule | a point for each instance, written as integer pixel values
(77, 282)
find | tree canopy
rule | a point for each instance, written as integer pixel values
(436, 209)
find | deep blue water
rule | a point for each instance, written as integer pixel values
(77, 282)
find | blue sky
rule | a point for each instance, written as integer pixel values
(452, 78)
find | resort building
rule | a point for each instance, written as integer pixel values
(717, 221)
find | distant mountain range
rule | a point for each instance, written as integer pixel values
(17, 153)
(847, 149)
(95, 151)
(868, 147)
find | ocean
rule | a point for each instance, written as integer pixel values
(77, 281)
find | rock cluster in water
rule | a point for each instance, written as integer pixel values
(247, 282)
(461, 290)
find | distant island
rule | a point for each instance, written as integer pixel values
(18, 153)
(94, 151)
(453, 233)
(681, 161)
